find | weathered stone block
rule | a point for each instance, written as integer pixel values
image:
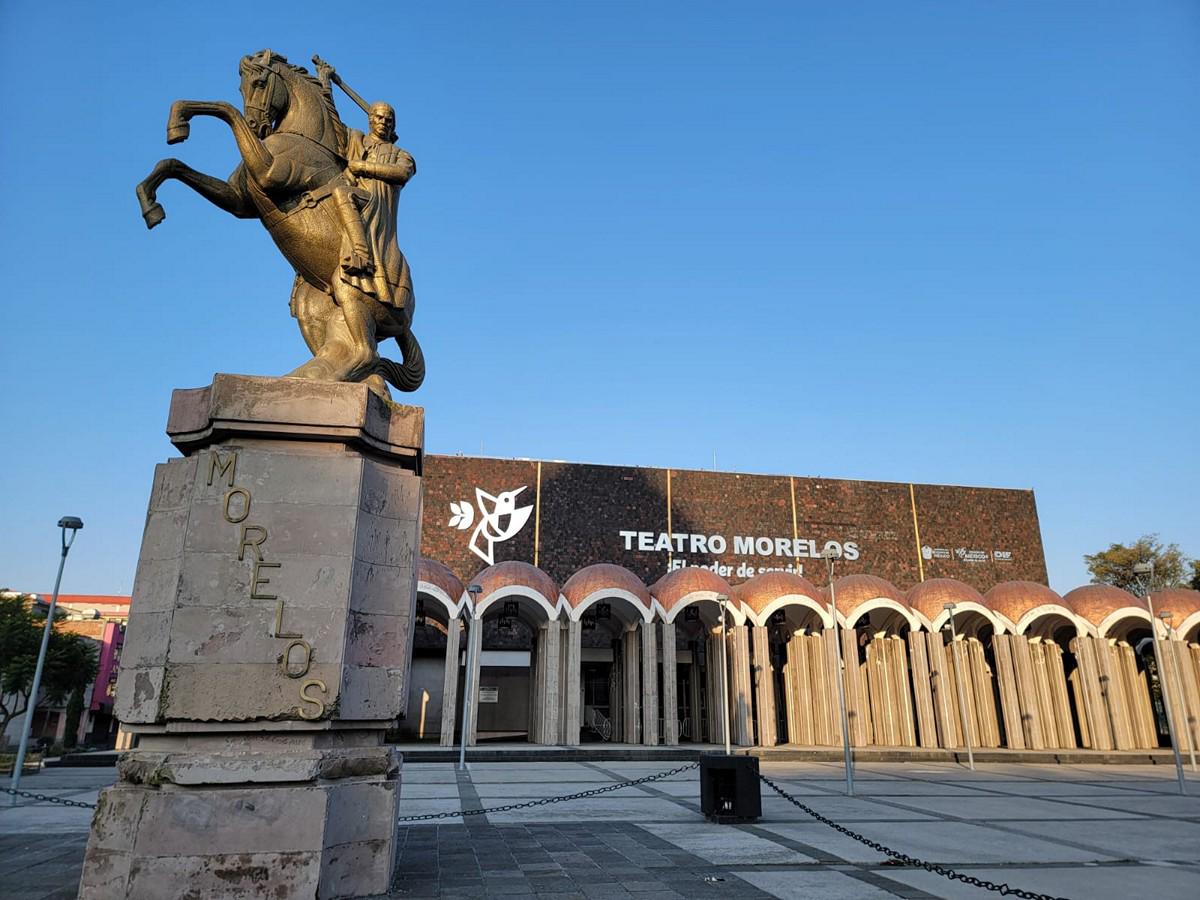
(378, 640)
(147, 638)
(139, 694)
(388, 542)
(384, 589)
(371, 693)
(229, 875)
(249, 820)
(248, 692)
(105, 874)
(156, 584)
(390, 492)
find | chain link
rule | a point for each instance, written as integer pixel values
(46, 798)
(904, 858)
(546, 801)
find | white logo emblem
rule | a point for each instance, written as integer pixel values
(489, 530)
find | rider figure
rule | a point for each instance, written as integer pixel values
(376, 170)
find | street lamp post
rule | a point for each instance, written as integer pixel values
(1147, 569)
(962, 698)
(1187, 731)
(724, 601)
(471, 622)
(70, 524)
(834, 553)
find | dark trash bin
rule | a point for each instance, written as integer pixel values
(729, 788)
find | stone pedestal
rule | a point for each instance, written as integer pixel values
(267, 650)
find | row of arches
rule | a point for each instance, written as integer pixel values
(608, 658)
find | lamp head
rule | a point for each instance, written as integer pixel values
(833, 551)
(950, 607)
(475, 590)
(1143, 568)
(74, 523)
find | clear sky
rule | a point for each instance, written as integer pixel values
(906, 241)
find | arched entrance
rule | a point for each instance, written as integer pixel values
(518, 651)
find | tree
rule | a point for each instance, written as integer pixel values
(70, 659)
(1194, 583)
(1115, 565)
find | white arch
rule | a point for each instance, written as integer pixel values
(1082, 626)
(1125, 612)
(735, 614)
(432, 590)
(801, 600)
(515, 590)
(960, 606)
(882, 603)
(1188, 624)
(634, 600)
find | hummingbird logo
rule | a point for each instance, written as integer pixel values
(499, 519)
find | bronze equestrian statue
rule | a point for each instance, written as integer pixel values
(327, 195)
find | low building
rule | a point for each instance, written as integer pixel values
(101, 619)
(607, 596)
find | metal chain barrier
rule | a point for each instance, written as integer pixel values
(904, 858)
(46, 798)
(546, 801)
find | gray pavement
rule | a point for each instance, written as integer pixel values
(1090, 831)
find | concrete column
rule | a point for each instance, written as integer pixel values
(649, 683)
(918, 652)
(764, 683)
(712, 684)
(537, 681)
(739, 686)
(474, 651)
(573, 698)
(550, 666)
(632, 688)
(450, 683)
(670, 685)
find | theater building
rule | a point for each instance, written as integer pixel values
(598, 615)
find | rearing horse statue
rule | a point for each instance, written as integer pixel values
(293, 178)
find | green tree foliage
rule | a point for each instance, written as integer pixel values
(1115, 565)
(1194, 583)
(71, 661)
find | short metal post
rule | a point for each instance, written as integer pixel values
(724, 601)
(471, 621)
(962, 697)
(830, 556)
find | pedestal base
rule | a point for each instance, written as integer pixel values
(267, 649)
(259, 838)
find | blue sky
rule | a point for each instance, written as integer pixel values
(919, 241)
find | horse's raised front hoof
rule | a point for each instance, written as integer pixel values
(153, 214)
(177, 132)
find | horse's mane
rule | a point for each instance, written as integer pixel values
(302, 78)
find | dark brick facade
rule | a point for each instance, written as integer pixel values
(979, 535)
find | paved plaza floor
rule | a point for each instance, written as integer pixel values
(1073, 831)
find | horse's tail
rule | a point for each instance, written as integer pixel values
(406, 377)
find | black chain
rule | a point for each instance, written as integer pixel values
(46, 798)
(904, 858)
(546, 801)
